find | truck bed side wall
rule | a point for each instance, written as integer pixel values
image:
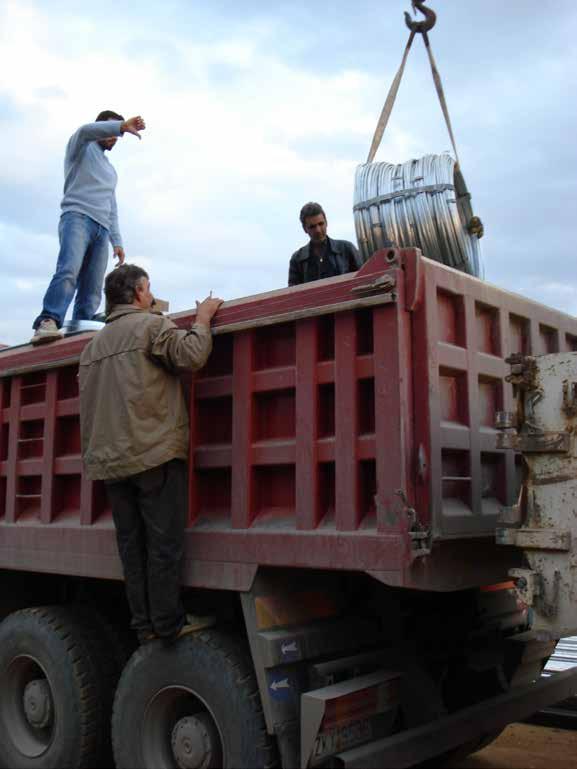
(326, 414)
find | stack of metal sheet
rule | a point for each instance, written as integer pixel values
(564, 714)
(565, 656)
(416, 204)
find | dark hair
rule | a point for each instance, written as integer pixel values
(311, 209)
(120, 285)
(108, 114)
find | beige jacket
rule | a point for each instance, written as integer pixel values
(132, 411)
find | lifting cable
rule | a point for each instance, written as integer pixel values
(431, 209)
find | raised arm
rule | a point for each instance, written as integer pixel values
(102, 129)
(91, 132)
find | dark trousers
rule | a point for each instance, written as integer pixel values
(150, 511)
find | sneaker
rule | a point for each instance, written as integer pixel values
(47, 331)
(194, 624)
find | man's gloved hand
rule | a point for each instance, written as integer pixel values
(475, 227)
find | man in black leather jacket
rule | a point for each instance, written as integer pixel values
(322, 257)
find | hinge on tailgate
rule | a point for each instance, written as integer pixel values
(533, 442)
(519, 431)
(570, 398)
(420, 535)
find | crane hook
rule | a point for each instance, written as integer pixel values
(421, 26)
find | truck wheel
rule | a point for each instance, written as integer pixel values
(56, 678)
(194, 705)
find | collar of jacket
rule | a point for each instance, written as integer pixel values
(120, 310)
(335, 246)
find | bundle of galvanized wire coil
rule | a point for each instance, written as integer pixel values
(422, 203)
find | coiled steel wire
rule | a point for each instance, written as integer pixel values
(415, 204)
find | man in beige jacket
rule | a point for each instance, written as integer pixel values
(134, 427)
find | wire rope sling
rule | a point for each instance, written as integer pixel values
(422, 203)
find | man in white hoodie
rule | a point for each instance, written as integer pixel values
(89, 221)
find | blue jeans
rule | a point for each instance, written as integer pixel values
(81, 266)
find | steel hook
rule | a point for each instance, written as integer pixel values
(421, 26)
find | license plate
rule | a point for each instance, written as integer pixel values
(337, 740)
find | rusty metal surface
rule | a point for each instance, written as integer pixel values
(549, 442)
(546, 529)
(536, 539)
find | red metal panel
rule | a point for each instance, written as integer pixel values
(346, 469)
(479, 338)
(508, 341)
(86, 501)
(3, 446)
(46, 508)
(242, 503)
(307, 396)
(393, 412)
(469, 478)
(11, 468)
(296, 428)
(194, 440)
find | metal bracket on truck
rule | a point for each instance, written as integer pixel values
(544, 522)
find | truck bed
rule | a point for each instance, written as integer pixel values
(345, 424)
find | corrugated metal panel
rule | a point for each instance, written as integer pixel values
(562, 715)
(565, 656)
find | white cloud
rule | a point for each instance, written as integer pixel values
(217, 181)
(239, 136)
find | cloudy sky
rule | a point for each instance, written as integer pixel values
(253, 108)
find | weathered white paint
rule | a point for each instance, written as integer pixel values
(548, 534)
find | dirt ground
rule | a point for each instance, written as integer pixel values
(522, 746)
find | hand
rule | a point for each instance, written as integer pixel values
(119, 254)
(206, 310)
(132, 126)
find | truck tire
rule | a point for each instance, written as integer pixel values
(194, 704)
(57, 678)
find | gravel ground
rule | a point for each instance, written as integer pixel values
(522, 746)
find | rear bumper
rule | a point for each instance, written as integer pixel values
(421, 743)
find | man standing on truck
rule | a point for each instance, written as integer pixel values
(322, 257)
(134, 428)
(89, 220)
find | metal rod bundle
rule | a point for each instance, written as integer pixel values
(415, 204)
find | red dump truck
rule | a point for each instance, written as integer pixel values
(346, 486)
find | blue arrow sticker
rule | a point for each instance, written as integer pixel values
(281, 688)
(290, 650)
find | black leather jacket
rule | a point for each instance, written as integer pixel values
(304, 267)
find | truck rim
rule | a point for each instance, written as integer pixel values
(179, 730)
(27, 706)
